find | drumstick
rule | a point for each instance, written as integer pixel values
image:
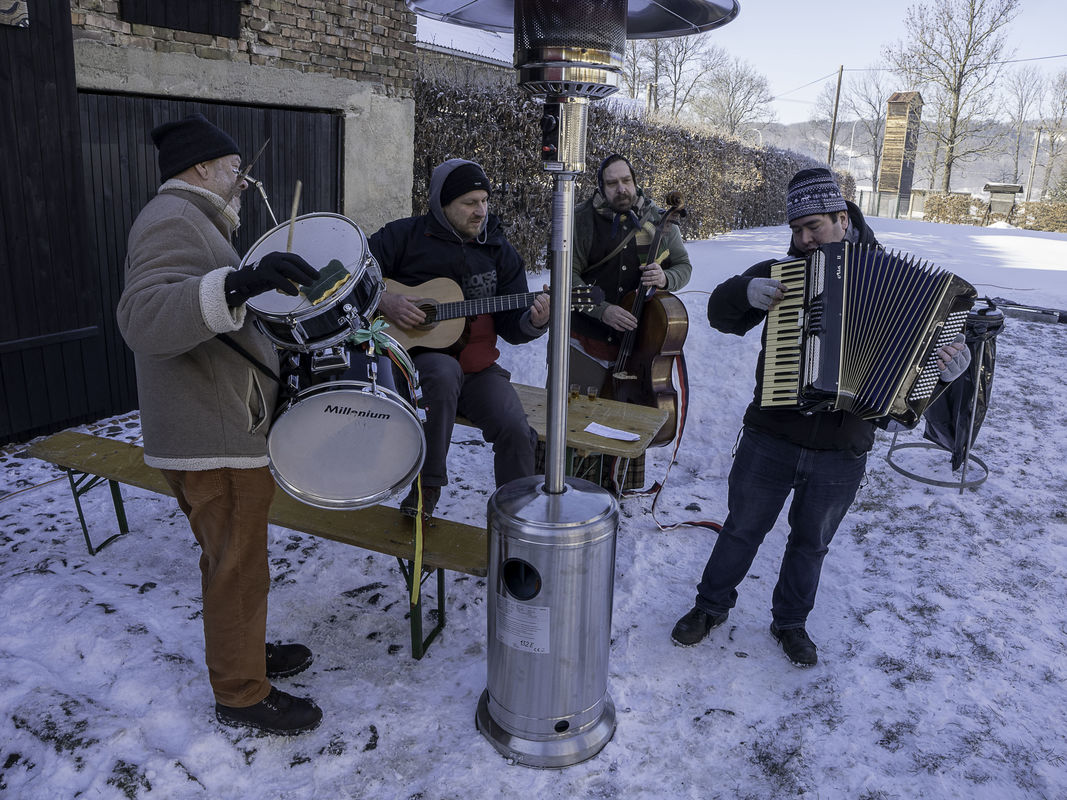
(292, 217)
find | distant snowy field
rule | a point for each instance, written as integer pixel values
(940, 620)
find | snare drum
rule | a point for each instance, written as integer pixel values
(356, 438)
(297, 323)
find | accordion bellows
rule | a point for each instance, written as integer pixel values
(859, 330)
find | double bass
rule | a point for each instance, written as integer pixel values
(641, 371)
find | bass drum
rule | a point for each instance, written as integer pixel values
(355, 439)
(304, 324)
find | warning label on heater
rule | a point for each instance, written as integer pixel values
(522, 626)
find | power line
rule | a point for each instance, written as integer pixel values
(888, 69)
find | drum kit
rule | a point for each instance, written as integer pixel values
(348, 433)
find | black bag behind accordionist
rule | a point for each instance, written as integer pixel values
(858, 331)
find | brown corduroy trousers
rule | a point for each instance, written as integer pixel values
(227, 511)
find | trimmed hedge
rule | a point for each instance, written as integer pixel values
(1043, 216)
(726, 184)
(964, 209)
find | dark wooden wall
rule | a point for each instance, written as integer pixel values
(52, 364)
(78, 169)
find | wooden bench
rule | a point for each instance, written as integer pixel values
(643, 421)
(91, 460)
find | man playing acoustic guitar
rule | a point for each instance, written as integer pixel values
(614, 231)
(460, 240)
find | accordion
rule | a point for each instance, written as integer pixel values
(859, 330)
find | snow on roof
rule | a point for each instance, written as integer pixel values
(488, 46)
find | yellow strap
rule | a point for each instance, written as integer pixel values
(416, 572)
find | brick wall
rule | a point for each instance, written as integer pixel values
(356, 40)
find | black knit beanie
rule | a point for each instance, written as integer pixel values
(190, 141)
(464, 178)
(813, 191)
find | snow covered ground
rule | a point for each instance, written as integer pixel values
(940, 619)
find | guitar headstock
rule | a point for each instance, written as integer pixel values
(586, 298)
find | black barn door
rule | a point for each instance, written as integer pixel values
(52, 355)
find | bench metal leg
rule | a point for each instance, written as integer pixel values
(418, 644)
(82, 482)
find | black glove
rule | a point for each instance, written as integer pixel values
(273, 271)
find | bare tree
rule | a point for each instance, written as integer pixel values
(866, 99)
(957, 46)
(1023, 89)
(1055, 122)
(633, 68)
(653, 51)
(686, 62)
(736, 97)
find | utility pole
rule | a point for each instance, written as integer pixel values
(833, 122)
(1033, 164)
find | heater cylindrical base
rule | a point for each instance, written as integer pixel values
(549, 752)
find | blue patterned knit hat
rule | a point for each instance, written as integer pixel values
(813, 191)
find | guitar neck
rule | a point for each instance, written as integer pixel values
(484, 305)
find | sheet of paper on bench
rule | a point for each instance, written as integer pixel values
(610, 433)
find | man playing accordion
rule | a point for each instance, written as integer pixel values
(820, 457)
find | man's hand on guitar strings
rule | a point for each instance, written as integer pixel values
(765, 293)
(401, 311)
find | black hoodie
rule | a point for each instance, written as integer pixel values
(730, 312)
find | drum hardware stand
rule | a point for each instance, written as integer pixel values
(977, 365)
(266, 202)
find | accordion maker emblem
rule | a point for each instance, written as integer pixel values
(859, 330)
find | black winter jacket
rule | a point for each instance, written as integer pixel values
(417, 249)
(730, 312)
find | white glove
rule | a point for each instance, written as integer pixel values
(764, 293)
(956, 357)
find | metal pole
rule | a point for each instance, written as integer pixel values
(833, 122)
(1033, 164)
(851, 146)
(974, 412)
(559, 332)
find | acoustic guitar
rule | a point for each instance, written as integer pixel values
(441, 300)
(642, 370)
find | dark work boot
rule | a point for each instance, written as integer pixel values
(278, 713)
(798, 647)
(695, 625)
(410, 504)
(284, 660)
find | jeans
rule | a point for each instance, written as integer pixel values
(488, 400)
(227, 511)
(765, 470)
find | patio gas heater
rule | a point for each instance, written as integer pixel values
(552, 540)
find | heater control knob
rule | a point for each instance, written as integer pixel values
(549, 134)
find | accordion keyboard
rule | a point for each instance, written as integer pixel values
(784, 329)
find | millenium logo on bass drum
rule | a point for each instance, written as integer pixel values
(355, 412)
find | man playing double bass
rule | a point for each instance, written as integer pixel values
(613, 233)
